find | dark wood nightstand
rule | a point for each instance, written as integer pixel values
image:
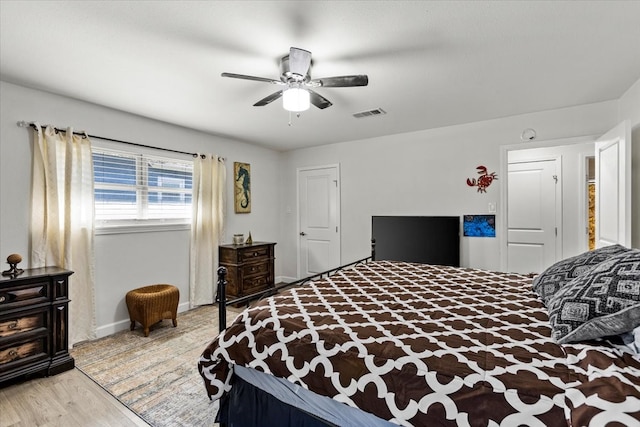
(249, 268)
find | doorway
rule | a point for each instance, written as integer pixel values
(611, 185)
(590, 197)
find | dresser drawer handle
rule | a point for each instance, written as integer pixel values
(13, 354)
(13, 325)
(3, 298)
(255, 254)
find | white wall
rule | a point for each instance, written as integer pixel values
(424, 173)
(124, 261)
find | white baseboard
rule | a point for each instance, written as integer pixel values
(122, 325)
(112, 328)
(285, 279)
(184, 307)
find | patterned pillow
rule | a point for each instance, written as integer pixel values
(555, 277)
(603, 302)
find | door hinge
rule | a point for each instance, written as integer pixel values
(556, 231)
(336, 228)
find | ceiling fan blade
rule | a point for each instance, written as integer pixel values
(319, 101)
(343, 81)
(299, 61)
(269, 99)
(257, 79)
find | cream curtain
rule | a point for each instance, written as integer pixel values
(62, 220)
(209, 183)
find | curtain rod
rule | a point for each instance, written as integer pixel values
(32, 125)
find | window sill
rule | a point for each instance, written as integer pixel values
(140, 228)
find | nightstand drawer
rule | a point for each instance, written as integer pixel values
(256, 284)
(249, 270)
(253, 254)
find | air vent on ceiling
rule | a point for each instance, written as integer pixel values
(368, 113)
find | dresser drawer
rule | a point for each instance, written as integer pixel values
(253, 254)
(24, 322)
(21, 295)
(25, 352)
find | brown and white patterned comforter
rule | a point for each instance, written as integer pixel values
(429, 346)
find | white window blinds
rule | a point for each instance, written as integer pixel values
(133, 188)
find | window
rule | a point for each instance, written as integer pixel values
(140, 189)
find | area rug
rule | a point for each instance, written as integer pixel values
(157, 376)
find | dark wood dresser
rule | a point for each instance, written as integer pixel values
(249, 268)
(34, 316)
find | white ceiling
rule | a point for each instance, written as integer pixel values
(430, 64)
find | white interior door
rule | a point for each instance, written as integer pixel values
(534, 215)
(613, 187)
(319, 221)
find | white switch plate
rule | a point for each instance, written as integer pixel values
(492, 207)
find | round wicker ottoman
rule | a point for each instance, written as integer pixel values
(151, 304)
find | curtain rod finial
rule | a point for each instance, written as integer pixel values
(23, 124)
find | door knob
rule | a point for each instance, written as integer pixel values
(302, 233)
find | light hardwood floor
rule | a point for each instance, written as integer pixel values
(69, 399)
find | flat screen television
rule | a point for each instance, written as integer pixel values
(423, 239)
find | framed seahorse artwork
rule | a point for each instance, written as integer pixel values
(242, 187)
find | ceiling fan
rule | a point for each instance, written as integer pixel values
(297, 86)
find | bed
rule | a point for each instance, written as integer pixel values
(403, 343)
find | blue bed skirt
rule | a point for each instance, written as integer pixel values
(258, 399)
(248, 406)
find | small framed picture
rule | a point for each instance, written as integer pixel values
(479, 225)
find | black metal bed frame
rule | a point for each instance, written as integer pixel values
(221, 297)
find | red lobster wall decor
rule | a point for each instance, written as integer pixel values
(484, 181)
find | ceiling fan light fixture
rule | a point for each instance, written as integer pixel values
(296, 84)
(296, 99)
